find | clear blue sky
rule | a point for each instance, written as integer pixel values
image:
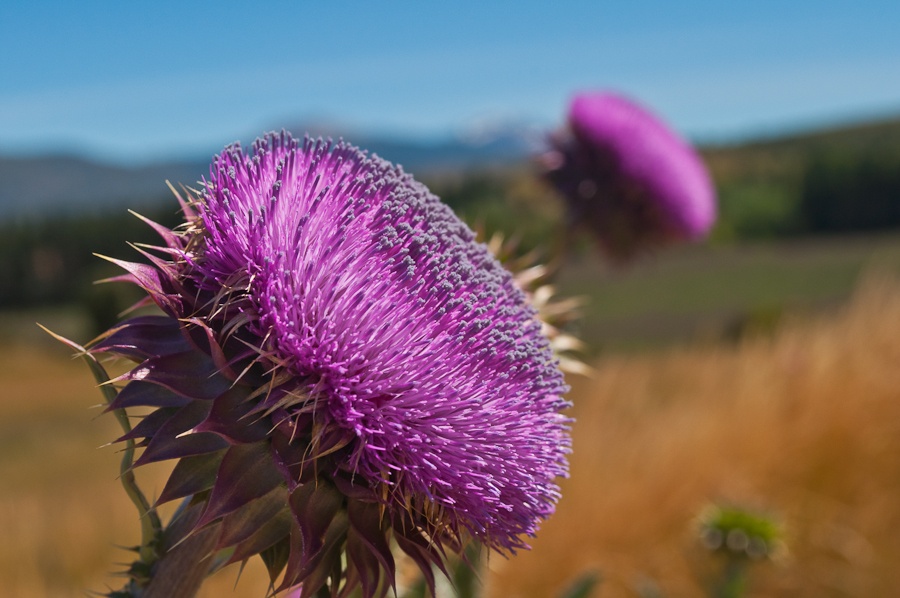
(146, 80)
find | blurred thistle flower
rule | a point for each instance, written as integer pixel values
(739, 533)
(627, 177)
(339, 365)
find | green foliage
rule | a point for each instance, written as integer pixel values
(756, 210)
(844, 191)
(831, 181)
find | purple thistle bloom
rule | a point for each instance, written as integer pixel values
(628, 177)
(340, 364)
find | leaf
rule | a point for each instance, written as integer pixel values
(313, 570)
(367, 567)
(314, 505)
(142, 337)
(242, 524)
(267, 535)
(145, 394)
(276, 557)
(246, 473)
(366, 520)
(171, 239)
(192, 475)
(172, 439)
(465, 573)
(146, 277)
(230, 419)
(189, 373)
(149, 424)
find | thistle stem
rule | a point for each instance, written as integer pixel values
(733, 580)
(151, 526)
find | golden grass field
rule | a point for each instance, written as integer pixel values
(804, 423)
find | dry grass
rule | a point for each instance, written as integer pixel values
(805, 423)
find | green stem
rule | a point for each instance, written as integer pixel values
(151, 526)
(466, 578)
(173, 562)
(732, 582)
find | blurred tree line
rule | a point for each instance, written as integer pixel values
(841, 181)
(848, 193)
(51, 261)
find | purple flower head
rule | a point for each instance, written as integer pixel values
(340, 364)
(629, 177)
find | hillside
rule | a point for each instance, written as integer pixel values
(43, 186)
(837, 179)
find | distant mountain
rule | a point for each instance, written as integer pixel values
(34, 186)
(494, 146)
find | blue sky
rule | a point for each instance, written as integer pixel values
(132, 81)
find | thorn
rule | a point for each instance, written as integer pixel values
(81, 350)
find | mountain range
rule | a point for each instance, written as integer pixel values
(37, 186)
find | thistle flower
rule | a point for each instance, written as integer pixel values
(739, 532)
(628, 177)
(741, 536)
(339, 365)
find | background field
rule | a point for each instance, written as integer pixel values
(795, 413)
